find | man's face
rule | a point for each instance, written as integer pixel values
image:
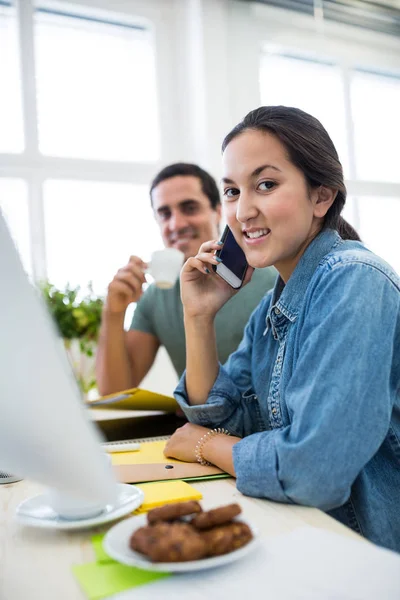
(184, 214)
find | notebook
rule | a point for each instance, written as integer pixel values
(150, 464)
(135, 399)
(166, 492)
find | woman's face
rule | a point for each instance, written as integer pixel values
(267, 205)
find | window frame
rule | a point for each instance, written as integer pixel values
(34, 167)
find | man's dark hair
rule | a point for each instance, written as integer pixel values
(208, 185)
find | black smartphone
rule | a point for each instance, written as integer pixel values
(234, 264)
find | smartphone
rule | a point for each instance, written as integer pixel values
(234, 264)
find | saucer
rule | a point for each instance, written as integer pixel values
(37, 511)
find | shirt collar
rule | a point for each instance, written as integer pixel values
(286, 299)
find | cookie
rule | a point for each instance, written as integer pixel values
(217, 516)
(144, 537)
(181, 543)
(170, 512)
(226, 538)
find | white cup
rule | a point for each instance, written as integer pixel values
(165, 266)
(72, 507)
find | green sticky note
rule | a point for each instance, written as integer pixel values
(99, 580)
(100, 553)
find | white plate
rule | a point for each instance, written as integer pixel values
(116, 545)
(37, 511)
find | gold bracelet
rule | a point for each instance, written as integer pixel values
(203, 440)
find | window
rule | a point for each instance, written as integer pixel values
(365, 100)
(96, 89)
(97, 121)
(11, 138)
(14, 205)
(375, 111)
(377, 223)
(315, 87)
(92, 228)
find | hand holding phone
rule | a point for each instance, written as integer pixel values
(234, 265)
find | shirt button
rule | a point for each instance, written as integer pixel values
(277, 311)
(274, 411)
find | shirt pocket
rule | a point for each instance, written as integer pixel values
(255, 422)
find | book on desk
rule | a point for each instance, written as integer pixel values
(135, 399)
(150, 464)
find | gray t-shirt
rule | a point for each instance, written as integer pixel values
(160, 313)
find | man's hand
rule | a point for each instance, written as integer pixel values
(126, 287)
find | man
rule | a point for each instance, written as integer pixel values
(187, 207)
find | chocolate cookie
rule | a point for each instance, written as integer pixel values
(217, 516)
(144, 537)
(170, 512)
(181, 543)
(226, 538)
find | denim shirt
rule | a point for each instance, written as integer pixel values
(314, 391)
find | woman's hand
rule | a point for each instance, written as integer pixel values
(217, 449)
(182, 443)
(203, 292)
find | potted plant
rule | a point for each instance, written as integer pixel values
(78, 317)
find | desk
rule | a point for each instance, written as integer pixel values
(35, 564)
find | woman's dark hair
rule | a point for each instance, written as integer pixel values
(208, 185)
(310, 148)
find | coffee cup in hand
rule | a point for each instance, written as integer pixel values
(165, 266)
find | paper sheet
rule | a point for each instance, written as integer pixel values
(305, 564)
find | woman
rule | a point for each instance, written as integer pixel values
(311, 397)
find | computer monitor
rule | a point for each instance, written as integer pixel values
(45, 431)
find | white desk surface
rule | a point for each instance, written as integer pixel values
(35, 564)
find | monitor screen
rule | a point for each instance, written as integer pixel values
(45, 431)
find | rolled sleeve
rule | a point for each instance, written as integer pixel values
(255, 479)
(221, 405)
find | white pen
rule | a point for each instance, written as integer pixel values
(121, 447)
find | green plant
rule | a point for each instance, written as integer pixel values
(76, 315)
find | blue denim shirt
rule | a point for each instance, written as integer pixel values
(314, 390)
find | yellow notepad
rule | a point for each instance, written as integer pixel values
(166, 492)
(136, 399)
(149, 453)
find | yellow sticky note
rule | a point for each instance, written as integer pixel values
(149, 453)
(166, 492)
